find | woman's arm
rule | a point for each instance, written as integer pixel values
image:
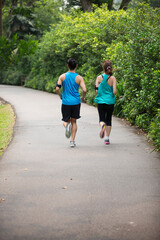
(114, 85)
(98, 81)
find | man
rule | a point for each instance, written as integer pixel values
(71, 102)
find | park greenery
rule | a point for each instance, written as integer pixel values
(7, 120)
(129, 38)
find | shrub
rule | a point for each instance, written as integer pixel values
(130, 39)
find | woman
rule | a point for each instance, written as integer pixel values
(106, 89)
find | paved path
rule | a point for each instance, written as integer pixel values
(92, 192)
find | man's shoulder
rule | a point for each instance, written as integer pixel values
(78, 79)
(78, 76)
(62, 76)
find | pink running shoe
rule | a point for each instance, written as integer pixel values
(106, 141)
(101, 134)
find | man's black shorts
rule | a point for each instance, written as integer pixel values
(70, 111)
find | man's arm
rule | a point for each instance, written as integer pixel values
(59, 84)
(80, 81)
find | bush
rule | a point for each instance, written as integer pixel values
(130, 39)
(154, 130)
(16, 60)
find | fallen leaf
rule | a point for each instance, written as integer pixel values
(131, 223)
(71, 179)
(65, 187)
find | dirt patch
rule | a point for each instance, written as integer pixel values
(3, 102)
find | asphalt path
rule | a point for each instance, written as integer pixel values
(49, 191)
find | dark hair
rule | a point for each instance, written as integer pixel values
(72, 63)
(107, 67)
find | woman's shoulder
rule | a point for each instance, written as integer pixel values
(100, 78)
(113, 78)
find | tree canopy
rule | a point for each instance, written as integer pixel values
(39, 36)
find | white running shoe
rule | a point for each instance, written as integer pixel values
(68, 130)
(72, 144)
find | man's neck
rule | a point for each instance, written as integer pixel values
(72, 71)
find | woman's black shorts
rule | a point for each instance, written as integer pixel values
(70, 111)
(105, 113)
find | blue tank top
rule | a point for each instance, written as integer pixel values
(105, 92)
(70, 95)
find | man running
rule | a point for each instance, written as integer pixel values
(71, 102)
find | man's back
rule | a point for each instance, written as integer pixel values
(70, 94)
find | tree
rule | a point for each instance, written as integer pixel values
(31, 3)
(124, 4)
(86, 5)
(14, 3)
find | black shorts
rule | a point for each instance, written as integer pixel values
(105, 113)
(70, 111)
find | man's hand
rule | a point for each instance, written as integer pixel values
(83, 99)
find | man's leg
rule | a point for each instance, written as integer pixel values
(73, 129)
(67, 126)
(65, 123)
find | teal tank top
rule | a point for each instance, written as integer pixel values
(70, 95)
(105, 92)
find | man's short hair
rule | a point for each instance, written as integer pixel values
(72, 63)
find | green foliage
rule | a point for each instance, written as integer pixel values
(7, 120)
(72, 3)
(154, 130)
(129, 39)
(6, 56)
(22, 23)
(47, 12)
(15, 59)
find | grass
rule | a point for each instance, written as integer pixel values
(7, 120)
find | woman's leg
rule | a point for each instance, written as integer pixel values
(101, 112)
(108, 131)
(109, 111)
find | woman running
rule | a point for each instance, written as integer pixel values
(106, 90)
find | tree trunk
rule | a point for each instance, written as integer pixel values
(30, 3)
(21, 3)
(3, 2)
(86, 5)
(14, 3)
(124, 4)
